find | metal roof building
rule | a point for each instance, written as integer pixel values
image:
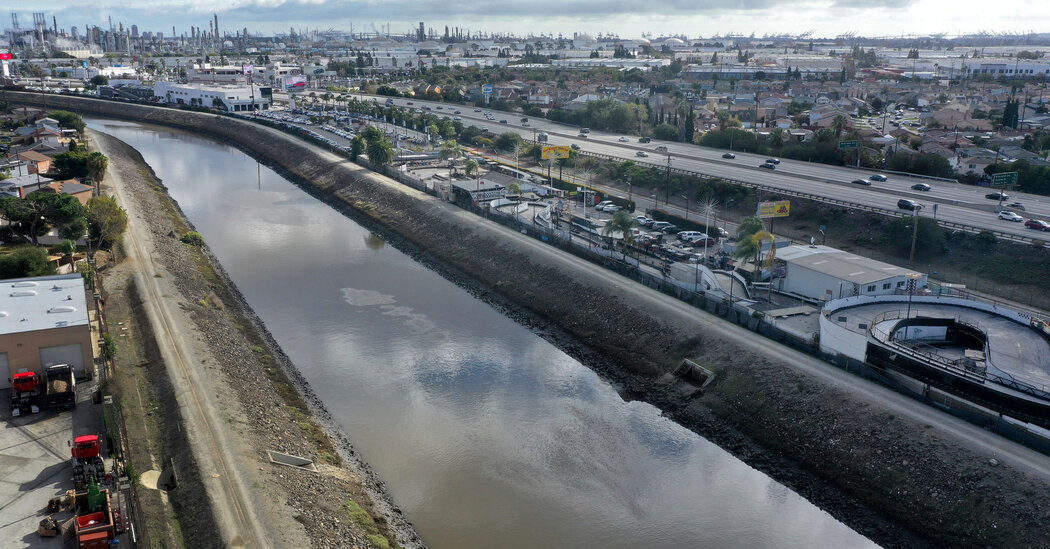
(822, 273)
(44, 321)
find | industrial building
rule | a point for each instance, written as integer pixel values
(44, 321)
(822, 273)
(233, 98)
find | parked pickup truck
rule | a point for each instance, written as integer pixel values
(60, 387)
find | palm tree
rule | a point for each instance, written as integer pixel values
(723, 119)
(747, 249)
(97, 163)
(839, 124)
(471, 167)
(68, 248)
(776, 138)
(748, 227)
(622, 223)
(379, 152)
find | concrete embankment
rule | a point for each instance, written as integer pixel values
(858, 451)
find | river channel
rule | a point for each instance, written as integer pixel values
(485, 434)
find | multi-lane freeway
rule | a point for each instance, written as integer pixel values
(956, 203)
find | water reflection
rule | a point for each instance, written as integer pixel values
(486, 435)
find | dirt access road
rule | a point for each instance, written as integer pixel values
(218, 452)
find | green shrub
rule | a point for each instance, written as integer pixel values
(193, 238)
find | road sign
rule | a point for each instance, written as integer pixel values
(1004, 178)
(486, 89)
(847, 144)
(555, 152)
(781, 208)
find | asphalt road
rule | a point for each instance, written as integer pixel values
(956, 203)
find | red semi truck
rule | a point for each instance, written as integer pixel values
(25, 394)
(87, 460)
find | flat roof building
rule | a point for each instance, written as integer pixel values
(233, 98)
(44, 321)
(822, 273)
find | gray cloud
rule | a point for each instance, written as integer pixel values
(278, 14)
(871, 4)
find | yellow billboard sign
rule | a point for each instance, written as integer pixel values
(781, 208)
(555, 152)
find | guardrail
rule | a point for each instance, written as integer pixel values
(1004, 379)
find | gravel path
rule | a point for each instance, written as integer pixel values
(232, 410)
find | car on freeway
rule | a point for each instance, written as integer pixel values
(583, 135)
(1016, 206)
(768, 166)
(623, 140)
(459, 112)
(524, 120)
(997, 196)
(439, 107)
(645, 139)
(1037, 224)
(661, 149)
(477, 110)
(728, 155)
(861, 182)
(484, 128)
(772, 161)
(1010, 216)
(878, 177)
(920, 186)
(575, 147)
(906, 204)
(504, 121)
(410, 103)
(641, 153)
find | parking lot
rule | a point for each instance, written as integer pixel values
(35, 464)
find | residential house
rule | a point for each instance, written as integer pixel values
(22, 185)
(72, 187)
(940, 150)
(37, 163)
(975, 165)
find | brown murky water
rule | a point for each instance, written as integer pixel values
(485, 434)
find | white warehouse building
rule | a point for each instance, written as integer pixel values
(822, 273)
(234, 98)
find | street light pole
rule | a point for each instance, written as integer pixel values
(912, 277)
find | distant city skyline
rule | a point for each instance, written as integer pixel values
(628, 19)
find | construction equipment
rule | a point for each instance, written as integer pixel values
(87, 460)
(93, 527)
(61, 386)
(25, 394)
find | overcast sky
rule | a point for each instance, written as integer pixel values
(628, 18)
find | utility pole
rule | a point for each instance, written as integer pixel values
(667, 182)
(914, 235)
